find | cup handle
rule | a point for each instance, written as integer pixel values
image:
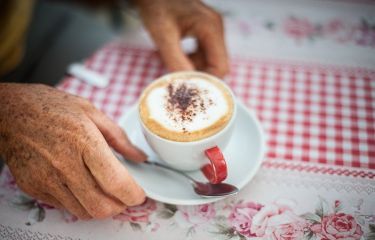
(216, 170)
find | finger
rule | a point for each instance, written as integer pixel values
(198, 59)
(116, 137)
(91, 196)
(167, 39)
(109, 173)
(211, 40)
(63, 194)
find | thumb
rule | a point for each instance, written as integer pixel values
(116, 137)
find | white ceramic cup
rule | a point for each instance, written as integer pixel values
(189, 156)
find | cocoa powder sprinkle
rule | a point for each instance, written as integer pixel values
(184, 101)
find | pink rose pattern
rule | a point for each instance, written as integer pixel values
(360, 33)
(287, 232)
(242, 215)
(336, 224)
(278, 221)
(298, 28)
(193, 216)
(338, 30)
(340, 226)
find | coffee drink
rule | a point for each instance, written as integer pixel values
(186, 107)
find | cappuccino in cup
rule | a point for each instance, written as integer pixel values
(187, 118)
(186, 107)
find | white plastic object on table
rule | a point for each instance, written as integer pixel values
(89, 76)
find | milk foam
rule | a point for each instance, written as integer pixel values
(216, 106)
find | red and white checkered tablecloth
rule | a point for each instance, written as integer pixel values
(311, 113)
(317, 181)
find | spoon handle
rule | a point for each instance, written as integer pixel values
(171, 169)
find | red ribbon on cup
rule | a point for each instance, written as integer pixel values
(216, 170)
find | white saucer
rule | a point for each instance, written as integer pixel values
(243, 154)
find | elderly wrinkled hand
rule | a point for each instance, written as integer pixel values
(57, 147)
(168, 22)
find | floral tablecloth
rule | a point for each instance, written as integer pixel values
(283, 201)
(318, 178)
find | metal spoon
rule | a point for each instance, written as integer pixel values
(201, 188)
